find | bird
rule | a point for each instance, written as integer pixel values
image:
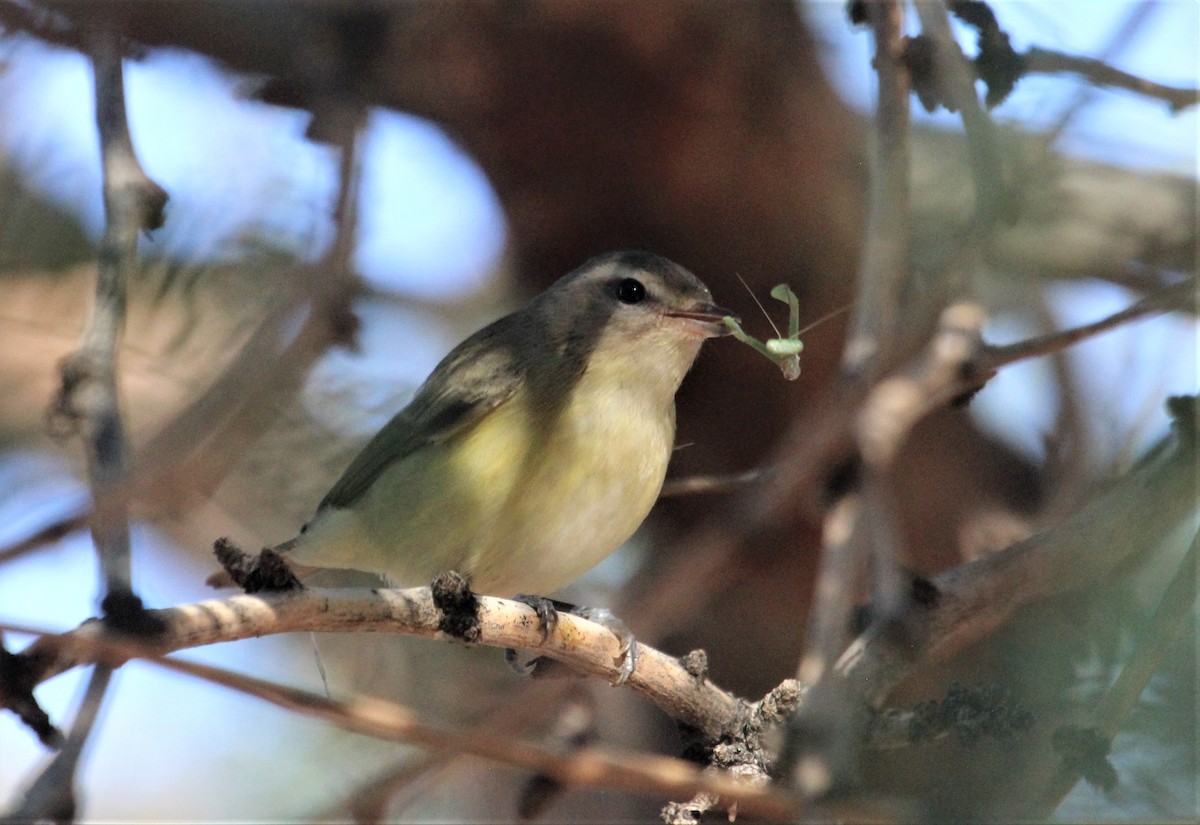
(535, 448)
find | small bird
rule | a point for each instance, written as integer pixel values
(536, 447)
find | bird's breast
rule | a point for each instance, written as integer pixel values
(574, 490)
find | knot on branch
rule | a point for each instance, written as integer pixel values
(151, 200)
(75, 400)
(460, 609)
(997, 64)
(696, 664)
(18, 677)
(1085, 751)
(268, 571)
(125, 613)
(918, 59)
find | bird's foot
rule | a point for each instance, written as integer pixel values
(628, 651)
(547, 612)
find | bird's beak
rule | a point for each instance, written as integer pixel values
(707, 319)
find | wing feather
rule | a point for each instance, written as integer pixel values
(477, 376)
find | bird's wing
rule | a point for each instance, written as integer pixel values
(476, 377)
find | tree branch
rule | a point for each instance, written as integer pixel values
(586, 767)
(87, 402)
(587, 647)
(1115, 704)
(976, 598)
(955, 78)
(883, 269)
(1049, 61)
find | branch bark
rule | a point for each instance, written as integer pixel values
(587, 647)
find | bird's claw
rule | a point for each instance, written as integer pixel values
(629, 646)
(547, 612)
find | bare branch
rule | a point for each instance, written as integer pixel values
(87, 400)
(587, 647)
(1114, 706)
(1049, 61)
(75, 520)
(696, 485)
(976, 598)
(956, 81)
(587, 767)
(1176, 297)
(52, 794)
(883, 270)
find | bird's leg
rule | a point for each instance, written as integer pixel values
(547, 612)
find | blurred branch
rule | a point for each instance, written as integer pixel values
(87, 402)
(1049, 61)
(958, 362)
(586, 767)
(974, 599)
(1000, 66)
(883, 268)
(955, 81)
(52, 794)
(695, 485)
(1177, 296)
(1110, 712)
(75, 520)
(44, 24)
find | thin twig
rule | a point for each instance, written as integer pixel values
(883, 270)
(695, 485)
(52, 794)
(956, 79)
(77, 519)
(1049, 61)
(1177, 296)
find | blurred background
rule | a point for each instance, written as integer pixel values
(357, 186)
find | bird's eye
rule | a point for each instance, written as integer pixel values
(631, 291)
